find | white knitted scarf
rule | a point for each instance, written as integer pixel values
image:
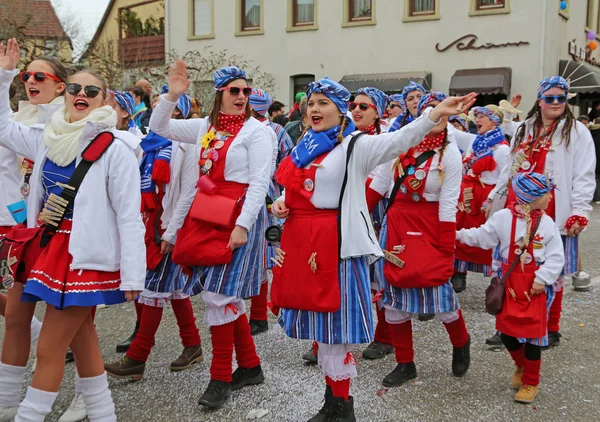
(63, 138)
(28, 113)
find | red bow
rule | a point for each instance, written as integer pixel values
(231, 307)
(349, 359)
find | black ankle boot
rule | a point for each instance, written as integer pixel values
(495, 340)
(257, 327)
(377, 350)
(461, 359)
(215, 395)
(459, 282)
(336, 409)
(553, 339)
(401, 373)
(124, 346)
(322, 416)
(247, 376)
(426, 317)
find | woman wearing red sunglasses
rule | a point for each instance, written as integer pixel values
(96, 254)
(44, 82)
(551, 141)
(221, 243)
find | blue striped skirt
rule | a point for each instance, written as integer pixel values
(429, 300)
(166, 278)
(242, 276)
(351, 324)
(464, 266)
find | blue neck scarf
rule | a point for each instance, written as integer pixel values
(483, 144)
(397, 125)
(314, 144)
(155, 148)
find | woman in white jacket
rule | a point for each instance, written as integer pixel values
(96, 256)
(225, 258)
(552, 142)
(321, 282)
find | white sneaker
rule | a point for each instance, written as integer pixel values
(8, 413)
(76, 411)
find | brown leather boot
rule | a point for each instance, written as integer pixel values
(126, 368)
(516, 378)
(189, 356)
(526, 394)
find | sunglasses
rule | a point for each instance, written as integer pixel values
(362, 106)
(235, 90)
(393, 106)
(38, 76)
(91, 91)
(549, 99)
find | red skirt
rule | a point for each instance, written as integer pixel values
(51, 279)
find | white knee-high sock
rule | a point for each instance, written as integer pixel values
(78, 389)
(36, 405)
(11, 384)
(36, 327)
(97, 398)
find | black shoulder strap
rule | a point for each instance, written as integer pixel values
(514, 263)
(344, 183)
(90, 154)
(420, 160)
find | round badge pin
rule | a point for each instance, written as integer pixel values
(206, 153)
(526, 165)
(403, 189)
(8, 281)
(25, 189)
(517, 251)
(309, 185)
(415, 197)
(528, 258)
(219, 144)
(208, 164)
(420, 174)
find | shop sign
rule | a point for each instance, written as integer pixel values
(582, 54)
(469, 42)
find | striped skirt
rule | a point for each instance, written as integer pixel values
(351, 324)
(163, 283)
(464, 266)
(239, 278)
(429, 300)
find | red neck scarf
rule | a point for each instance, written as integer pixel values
(230, 123)
(427, 144)
(370, 130)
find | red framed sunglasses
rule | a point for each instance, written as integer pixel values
(235, 90)
(38, 76)
(362, 106)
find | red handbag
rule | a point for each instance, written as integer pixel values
(19, 250)
(216, 209)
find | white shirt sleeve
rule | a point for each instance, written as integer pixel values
(486, 236)
(450, 189)
(383, 178)
(189, 178)
(260, 162)
(584, 171)
(185, 131)
(24, 140)
(552, 267)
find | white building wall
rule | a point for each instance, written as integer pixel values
(393, 45)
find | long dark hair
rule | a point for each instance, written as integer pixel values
(58, 69)
(213, 117)
(536, 112)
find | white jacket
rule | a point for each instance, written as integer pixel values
(572, 168)
(358, 236)
(249, 159)
(180, 192)
(107, 233)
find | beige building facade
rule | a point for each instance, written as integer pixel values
(499, 47)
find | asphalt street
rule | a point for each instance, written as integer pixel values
(293, 391)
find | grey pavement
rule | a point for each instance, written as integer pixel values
(293, 391)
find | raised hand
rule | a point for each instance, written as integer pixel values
(515, 100)
(453, 106)
(9, 56)
(178, 80)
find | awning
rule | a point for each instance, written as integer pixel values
(387, 82)
(494, 80)
(582, 77)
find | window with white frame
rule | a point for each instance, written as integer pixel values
(203, 20)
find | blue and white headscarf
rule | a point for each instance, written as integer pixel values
(428, 98)
(553, 82)
(184, 104)
(460, 121)
(125, 100)
(227, 74)
(260, 101)
(397, 98)
(332, 90)
(412, 86)
(378, 97)
(531, 186)
(494, 117)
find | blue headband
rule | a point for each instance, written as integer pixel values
(460, 121)
(184, 104)
(126, 101)
(377, 96)
(260, 101)
(332, 90)
(553, 82)
(428, 98)
(227, 74)
(530, 186)
(412, 86)
(494, 117)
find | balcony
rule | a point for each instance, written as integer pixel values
(142, 51)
